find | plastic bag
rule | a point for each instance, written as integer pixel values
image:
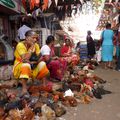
(6, 72)
(98, 55)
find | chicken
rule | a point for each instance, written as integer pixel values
(14, 114)
(2, 113)
(69, 101)
(27, 113)
(35, 89)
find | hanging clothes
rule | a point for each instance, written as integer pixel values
(37, 3)
(45, 5)
(32, 4)
(24, 4)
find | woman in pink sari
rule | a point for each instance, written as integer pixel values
(55, 65)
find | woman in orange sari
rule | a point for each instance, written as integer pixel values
(22, 65)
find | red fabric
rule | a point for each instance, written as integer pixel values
(64, 49)
(57, 68)
(45, 5)
(37, 2)
(52, 53)
(32, 4)
(24, 4)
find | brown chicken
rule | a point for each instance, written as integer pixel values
(35, 89)
(2, 113)
(14, 114)
(69, 101)
(27, 114)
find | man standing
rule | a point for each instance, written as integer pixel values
(23, 29)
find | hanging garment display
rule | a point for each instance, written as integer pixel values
(45, 5)
(24, 4)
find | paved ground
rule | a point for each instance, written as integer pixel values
(107, 108)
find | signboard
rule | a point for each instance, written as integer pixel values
(13, 5)
(8, 3)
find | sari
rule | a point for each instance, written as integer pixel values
(23, 69)
(66, 53)
(57, 66)
(66, 50)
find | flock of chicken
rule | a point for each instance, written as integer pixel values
(79, 85)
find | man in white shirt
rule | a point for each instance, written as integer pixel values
(22, 30)
(45, 50)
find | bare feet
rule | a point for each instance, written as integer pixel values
(110, 67)
(24, 86)
(24, 91)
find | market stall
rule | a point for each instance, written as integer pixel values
(79, 84)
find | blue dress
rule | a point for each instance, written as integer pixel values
(107, 45)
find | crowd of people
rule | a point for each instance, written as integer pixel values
(33, 62)
(110, 47)
(107, 48)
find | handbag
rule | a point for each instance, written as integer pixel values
(34, 58)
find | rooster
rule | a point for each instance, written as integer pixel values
(27, 113)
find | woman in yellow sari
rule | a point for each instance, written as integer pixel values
(22, 64)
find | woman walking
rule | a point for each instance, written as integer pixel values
(107, 46)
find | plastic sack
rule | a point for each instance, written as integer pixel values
(6, 72)
(98, 55)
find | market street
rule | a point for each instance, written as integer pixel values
(59, 59)
(106, 108)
